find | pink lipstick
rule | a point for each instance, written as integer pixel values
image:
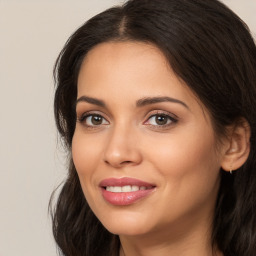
(125, 191)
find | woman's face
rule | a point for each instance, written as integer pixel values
(144, 146)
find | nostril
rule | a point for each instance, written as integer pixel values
(118, 164)
(126, 162)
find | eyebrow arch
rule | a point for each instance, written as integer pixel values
(91, 101)
(139, 103)
(152, 100)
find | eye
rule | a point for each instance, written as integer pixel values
(93, 120)
(160, 120)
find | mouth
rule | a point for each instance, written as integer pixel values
(127, 188)
(125, 191)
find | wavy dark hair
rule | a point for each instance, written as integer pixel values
(211, 49)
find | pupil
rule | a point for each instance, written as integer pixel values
(161, 120)
(96, 120)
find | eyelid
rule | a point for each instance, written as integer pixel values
(84, 115)
(161, 112)
(173, 119)
(90, 112)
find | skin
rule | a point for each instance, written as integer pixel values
(181, 158)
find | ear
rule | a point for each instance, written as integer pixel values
(237, 146)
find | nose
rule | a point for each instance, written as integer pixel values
(122, 148)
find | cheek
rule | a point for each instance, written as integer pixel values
(85, 153)
(189, 170)
(186, 160)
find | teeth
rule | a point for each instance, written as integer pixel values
(127, 188)
(117, 189)
(114, 189)
(135, 188)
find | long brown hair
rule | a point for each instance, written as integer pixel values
(211, 49)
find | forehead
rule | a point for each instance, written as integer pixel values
(111, 58)
(128, 49)
(126, 64)
(123, 71)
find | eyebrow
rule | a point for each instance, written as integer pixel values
(90, 100)
(139, 103)
(152, 100)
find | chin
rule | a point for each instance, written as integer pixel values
(125, 230)
(125, 224)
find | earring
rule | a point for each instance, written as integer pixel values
(230, 171)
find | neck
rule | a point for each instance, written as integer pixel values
(130, 247)
(196, 242)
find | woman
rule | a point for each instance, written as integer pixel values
(155, 103)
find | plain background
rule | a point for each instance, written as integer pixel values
(32, 32)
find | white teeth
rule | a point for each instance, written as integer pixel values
(135, 188)
(126, 188)
(114, 189)
(117, 189)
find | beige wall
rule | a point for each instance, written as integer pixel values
(32, 33)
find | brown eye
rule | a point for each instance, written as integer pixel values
(93, 120)
(161, 119)
(96, 120)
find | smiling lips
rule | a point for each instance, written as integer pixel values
(125, 191)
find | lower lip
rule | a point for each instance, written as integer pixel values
(125, 198)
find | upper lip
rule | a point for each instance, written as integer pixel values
(119, 182)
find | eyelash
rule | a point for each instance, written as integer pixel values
(83, 117)
(172, 119)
